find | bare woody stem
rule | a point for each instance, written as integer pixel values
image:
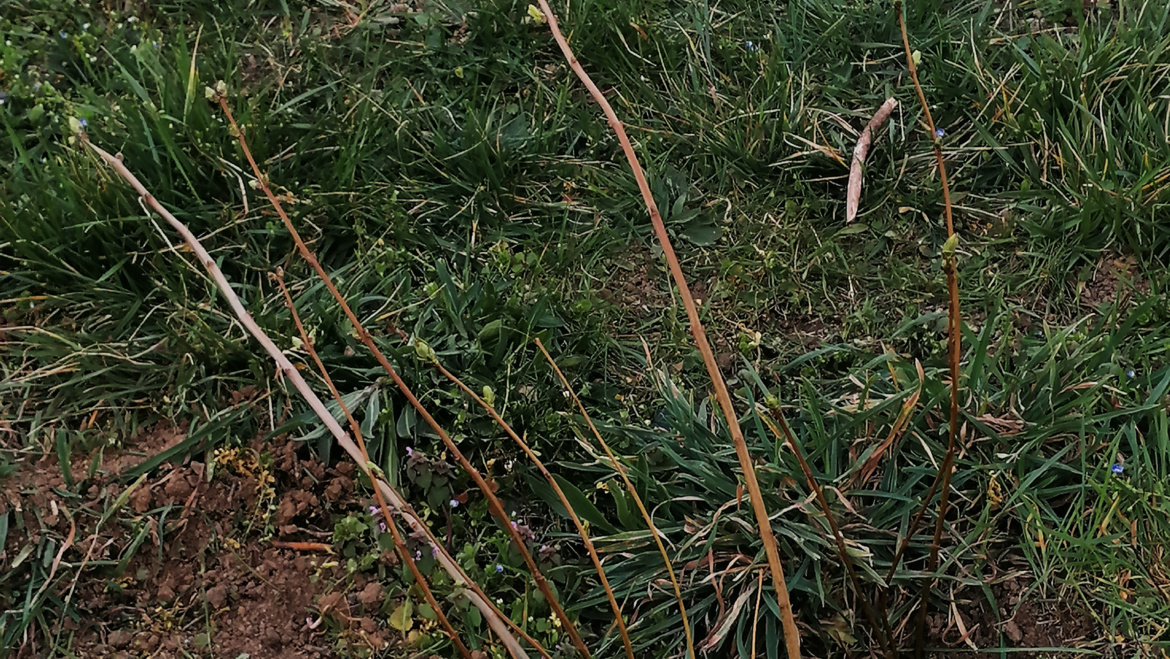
(391, 524)
(788, 619)
(494, 503)
(289, 371)
(621, 471)
(954, 329)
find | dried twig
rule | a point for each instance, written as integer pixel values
(853, 195)
(494, 504)
(303, 546)
(494, 620)
(791, 634)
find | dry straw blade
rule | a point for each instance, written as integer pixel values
(788, 619)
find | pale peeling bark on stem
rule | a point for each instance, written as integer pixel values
(853, 193)
(747, 466)
(289, 371)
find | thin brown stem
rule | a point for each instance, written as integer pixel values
(355, 429)
(617, 609)
(286, 368)
(954, 329)
(621, 471)
(494, 503)
(788, 619)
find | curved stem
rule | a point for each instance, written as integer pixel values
(767, 538)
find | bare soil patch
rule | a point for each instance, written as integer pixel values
(185, 566)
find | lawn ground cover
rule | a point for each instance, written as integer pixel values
(166, 493)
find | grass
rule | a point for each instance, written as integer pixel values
(455, 179)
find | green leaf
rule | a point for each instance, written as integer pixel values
(401, 618)
(474, 617)
(63, 453)
(577, 499)
(490, 332)
(626, 507)
(702, 232)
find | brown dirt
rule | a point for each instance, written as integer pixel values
(638, 284)
(1026, 622)
(1114, 276)
(202, 581)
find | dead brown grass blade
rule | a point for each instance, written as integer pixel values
(621, 471)
(954, 332)
(478, 599)
(788, 619)
(355, 429)
(853, 192)
(494, 503)
(900, 424)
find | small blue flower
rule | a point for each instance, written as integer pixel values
(82, 121)
(1130, 373)
(750, 46)
(499, 568)
(63, 35)
(1117, 469)
(939, 133)
(454, 503)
